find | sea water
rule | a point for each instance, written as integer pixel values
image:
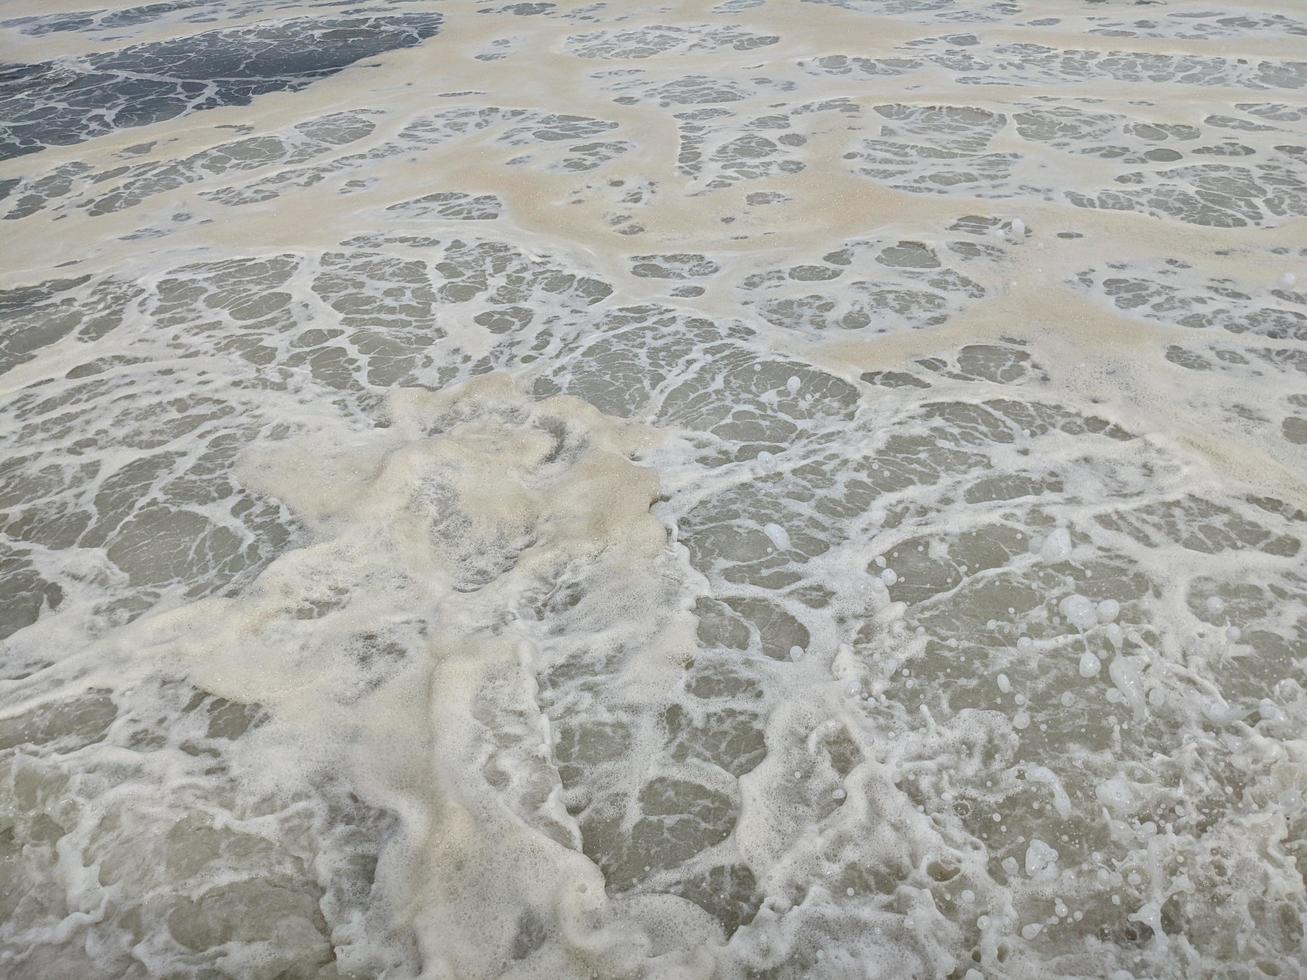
(759, 488)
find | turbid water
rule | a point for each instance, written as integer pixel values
(761, 489)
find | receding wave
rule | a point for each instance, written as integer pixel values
(746, 490)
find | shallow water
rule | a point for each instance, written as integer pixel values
(751, 489)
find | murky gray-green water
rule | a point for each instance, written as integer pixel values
(758, 489)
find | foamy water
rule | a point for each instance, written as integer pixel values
(761, 489)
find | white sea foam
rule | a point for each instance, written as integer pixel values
(552, 490)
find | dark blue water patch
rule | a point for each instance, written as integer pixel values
(60, 103)
(84, 20)
(184, 11)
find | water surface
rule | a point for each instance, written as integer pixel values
(760, 489)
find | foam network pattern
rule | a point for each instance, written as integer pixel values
(563, 490)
